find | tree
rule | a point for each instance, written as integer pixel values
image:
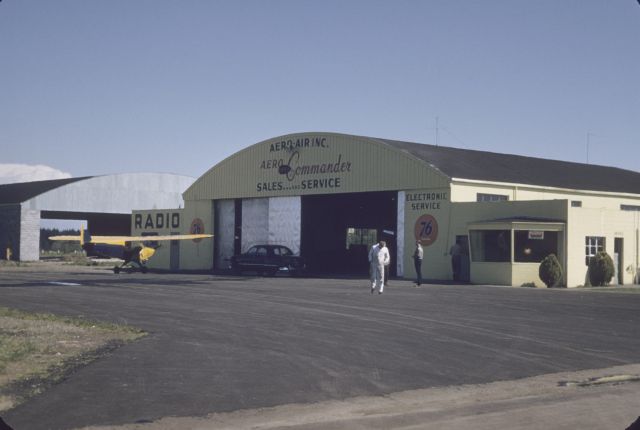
(550, 271)
(601, 269)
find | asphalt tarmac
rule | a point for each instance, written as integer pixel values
(221, 344)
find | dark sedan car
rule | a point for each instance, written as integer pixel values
(268, 260)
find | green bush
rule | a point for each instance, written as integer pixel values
(601, 269)
(550, 271)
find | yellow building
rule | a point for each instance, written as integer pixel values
(329, 196)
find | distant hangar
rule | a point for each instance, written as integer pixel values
(105, 202)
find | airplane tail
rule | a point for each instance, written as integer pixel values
(83, 238)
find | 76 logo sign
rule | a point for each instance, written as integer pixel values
(426, 229)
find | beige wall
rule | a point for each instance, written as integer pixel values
(159, 222)
(464, 192)
(492, 273)
(608, 223)
(193, 255)
(454, 218)
(197, 255)
(421, 207)
(599, 215)
(523, 273)
(467, 192)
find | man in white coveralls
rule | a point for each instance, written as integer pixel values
(378, 258)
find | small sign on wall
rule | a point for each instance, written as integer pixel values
(536, 234)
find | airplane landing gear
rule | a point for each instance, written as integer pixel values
(129, 269)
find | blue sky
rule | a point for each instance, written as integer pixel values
(99, 87)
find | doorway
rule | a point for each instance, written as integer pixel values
(465, 265)
(339, 229)
(618, 248)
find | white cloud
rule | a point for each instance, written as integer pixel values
(10, 173)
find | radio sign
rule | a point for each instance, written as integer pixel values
(157, 221)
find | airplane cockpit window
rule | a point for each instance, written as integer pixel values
(150, 243)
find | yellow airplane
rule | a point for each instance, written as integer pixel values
(121, 246)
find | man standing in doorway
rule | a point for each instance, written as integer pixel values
(456, 259)
(418, 255)
(378, 257)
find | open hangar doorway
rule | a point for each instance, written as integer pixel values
(339, 229)
(105, 224)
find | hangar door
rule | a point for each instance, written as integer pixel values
(339, 229)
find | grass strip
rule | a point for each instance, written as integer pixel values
(39, 350)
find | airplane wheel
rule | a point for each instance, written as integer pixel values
(116, 270)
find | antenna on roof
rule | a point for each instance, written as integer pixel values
(588, 144)
(437, 131)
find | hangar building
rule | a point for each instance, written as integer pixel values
(105, 202)
(330, 196)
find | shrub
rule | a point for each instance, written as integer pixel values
(529, 285)
(601, 269)
(550, 271)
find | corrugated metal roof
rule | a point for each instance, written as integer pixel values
(517, 169)
(23, 191)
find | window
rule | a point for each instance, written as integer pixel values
(480, 197)
(532, 246)
(629, 208)
(490, 245)
(361, 236)
(593, 245)
(576, 203)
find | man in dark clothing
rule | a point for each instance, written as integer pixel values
(456, 259)
(418, 255)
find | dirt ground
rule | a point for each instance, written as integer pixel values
(594, 399)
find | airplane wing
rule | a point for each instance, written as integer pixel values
(66, 238)
(113, 239)
(119, 240)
